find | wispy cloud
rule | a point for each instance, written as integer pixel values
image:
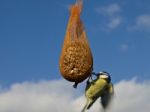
(59, 96)
(114, 22)
(111, 14)
(124, 47)
(108, 10)
(142, 23)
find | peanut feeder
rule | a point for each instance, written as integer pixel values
(76, 60)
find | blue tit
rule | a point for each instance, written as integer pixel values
(100, 87)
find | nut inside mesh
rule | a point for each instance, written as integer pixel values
(75, 60)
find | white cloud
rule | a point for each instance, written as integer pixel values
(142, 23)
(44, 96)
(60, 96)
(111, 14)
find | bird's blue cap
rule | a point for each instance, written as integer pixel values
(105, 73)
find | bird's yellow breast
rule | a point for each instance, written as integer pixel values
(96, 88)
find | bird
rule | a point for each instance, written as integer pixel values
(99, 87)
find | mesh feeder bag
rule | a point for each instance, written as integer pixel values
(76, 60)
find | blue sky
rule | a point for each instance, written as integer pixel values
(32, 33)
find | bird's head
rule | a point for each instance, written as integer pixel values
(104, 75)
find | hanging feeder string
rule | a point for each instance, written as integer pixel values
(79, 3)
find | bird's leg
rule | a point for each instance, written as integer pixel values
(93, 73)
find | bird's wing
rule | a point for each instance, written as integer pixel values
(107, 96)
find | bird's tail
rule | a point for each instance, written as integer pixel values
(86, 105)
